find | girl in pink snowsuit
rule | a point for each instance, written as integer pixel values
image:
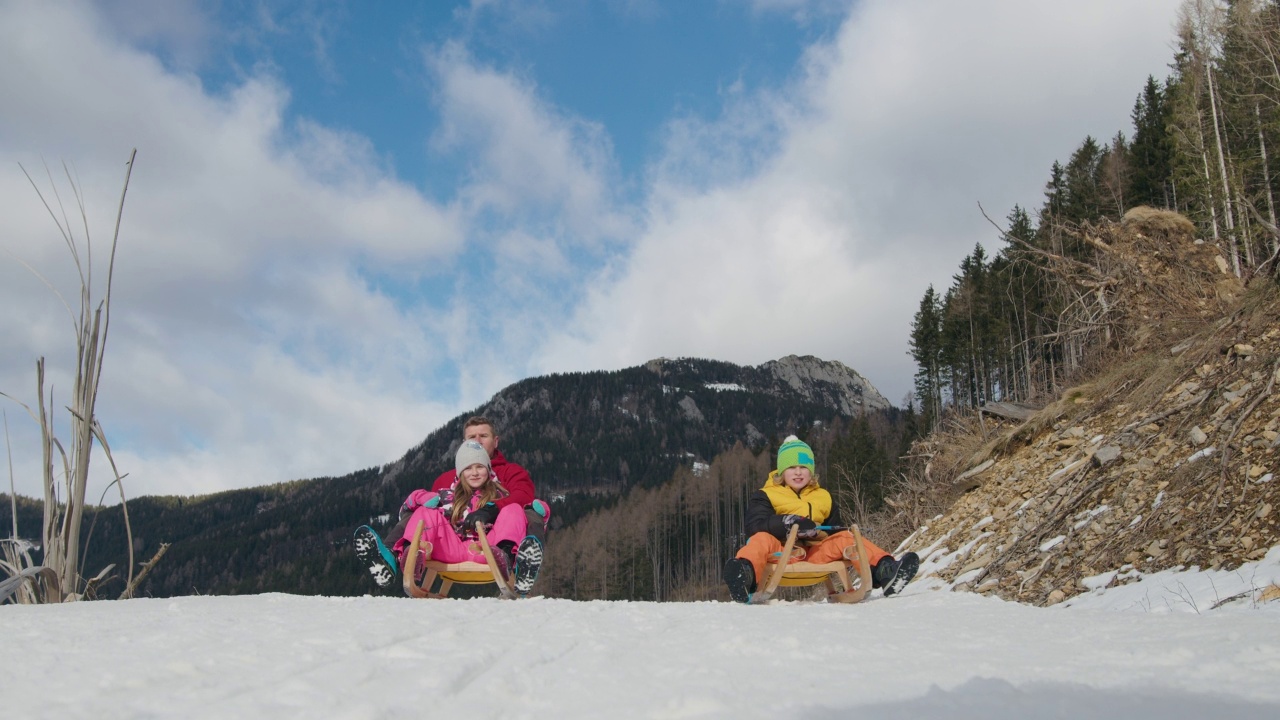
(449, 518)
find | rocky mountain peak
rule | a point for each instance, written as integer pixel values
(827, 381)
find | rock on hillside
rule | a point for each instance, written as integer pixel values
(1167, 458)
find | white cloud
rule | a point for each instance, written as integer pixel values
(540, 187)
(530, 160)
(285, 306)
(914, 113)
(245, 328)
(178, 28)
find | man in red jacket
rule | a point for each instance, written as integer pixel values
(513, 477)
(383, 564)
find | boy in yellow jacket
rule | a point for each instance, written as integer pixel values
(792, 496)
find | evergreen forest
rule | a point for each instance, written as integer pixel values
(1017, 326)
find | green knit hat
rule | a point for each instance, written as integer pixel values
(794, 452)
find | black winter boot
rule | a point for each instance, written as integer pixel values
(741, 579)
(528, 562)
(893, 575)
(375, 557)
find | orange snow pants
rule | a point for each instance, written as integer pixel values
(761, 545)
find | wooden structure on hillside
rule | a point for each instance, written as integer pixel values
(1010, 410)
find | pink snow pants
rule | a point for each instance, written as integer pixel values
(447, 547)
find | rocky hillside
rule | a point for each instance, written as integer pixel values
(1166, 456)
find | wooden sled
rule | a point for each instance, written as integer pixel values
(464, 573)
(804, 574)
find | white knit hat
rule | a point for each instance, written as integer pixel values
(470, 453)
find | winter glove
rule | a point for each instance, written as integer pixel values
(417, 499)
(487, 514)
(808, 528)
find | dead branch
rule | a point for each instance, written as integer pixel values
(1226, 446)
(1195, 400)
(146, 569)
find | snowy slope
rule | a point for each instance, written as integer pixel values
(1150, 649)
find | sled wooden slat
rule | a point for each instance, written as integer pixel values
(463, 573)
(803, 574)
(505, 585)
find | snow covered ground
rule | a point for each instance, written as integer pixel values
(1150, 649)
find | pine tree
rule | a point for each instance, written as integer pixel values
(1083, 201)
(1114, 172)
(1150, 179)
(858, 467)
(1019, 275)
(926, 350)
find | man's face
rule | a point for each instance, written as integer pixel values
(482, 434)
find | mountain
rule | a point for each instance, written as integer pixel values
(611, 430)
(586, 438)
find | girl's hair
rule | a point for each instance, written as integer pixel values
(463, 492)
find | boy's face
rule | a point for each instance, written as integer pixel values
(482, 434)
(475, 475)
(796, 477)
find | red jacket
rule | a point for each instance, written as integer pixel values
(514, 478)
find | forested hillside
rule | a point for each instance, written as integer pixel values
(1020, 325)
(1138, 320)
(591, 441)
(671, 542)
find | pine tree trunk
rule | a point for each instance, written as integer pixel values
(1246, 234)
(1213, 209)
(1266, 168)
(1228, 215)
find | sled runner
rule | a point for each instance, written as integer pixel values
(465, 573)
(804, 574)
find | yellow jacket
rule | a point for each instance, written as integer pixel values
(774, 499)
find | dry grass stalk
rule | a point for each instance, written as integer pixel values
(64, 512)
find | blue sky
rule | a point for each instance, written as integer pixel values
(349, 222)
(627, 65)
